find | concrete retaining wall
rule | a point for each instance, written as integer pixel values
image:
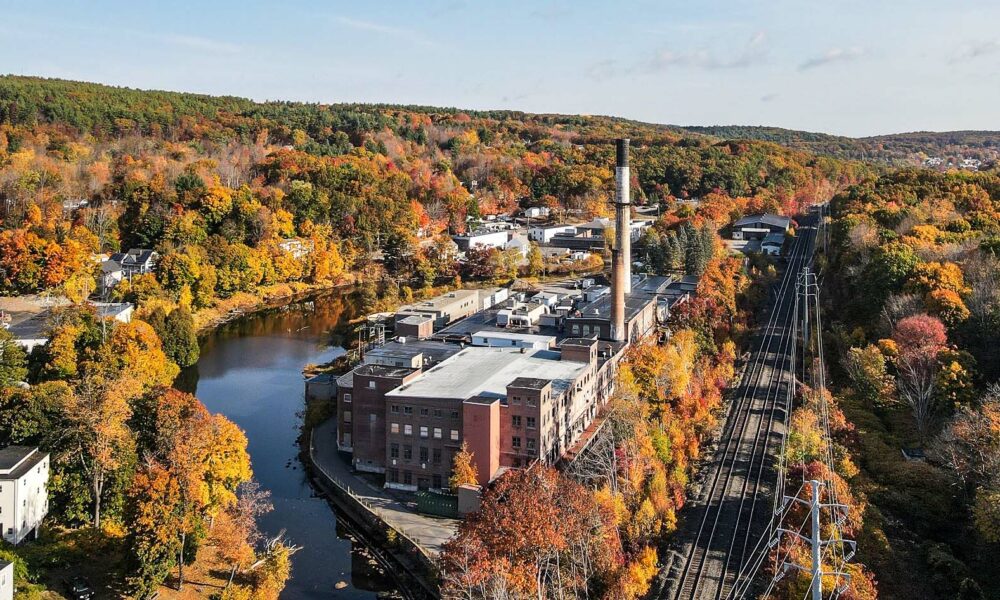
(417, 568)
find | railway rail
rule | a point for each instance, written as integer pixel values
(736, 501)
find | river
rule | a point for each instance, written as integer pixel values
(251, 371)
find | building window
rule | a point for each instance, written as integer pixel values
(454, 414)
(515, 400)
(516, 420)
(424, 412)
(347, 396)
(423, 431)
(393, 450)
(423, 454)
(531, 443)
(392, 476)
(407, 429)
(515, 442)
(407, 410)
(437, 433)
(438, 413)
(347, 438)
(394, 408)
(347, 416)
(407, 478)
(437, 481)
(371, 384)
(436, 454)
(394, 427)
(531, 401)
(407, 452)
(531, 422)
(454, 435)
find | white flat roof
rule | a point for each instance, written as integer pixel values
(507, 335)
(483, 371)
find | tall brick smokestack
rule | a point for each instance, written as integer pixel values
(621, 253)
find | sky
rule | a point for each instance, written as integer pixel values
(848, 67)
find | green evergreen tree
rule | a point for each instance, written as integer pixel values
(13, 361)
(180, 342)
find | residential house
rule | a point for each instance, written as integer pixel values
(24, 497)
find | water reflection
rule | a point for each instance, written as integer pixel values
(250, 371)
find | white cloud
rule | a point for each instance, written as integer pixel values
(753, 53)
(977, 49)
(387, 30)
(833, 55)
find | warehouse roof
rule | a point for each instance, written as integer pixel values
(484, 371)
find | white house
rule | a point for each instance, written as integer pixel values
(535, 212)
(24, 496)
(119, 311)
(6, 580)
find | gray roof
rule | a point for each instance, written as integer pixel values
(15, 461)
(529, 383)
(767, 219)
(486, 372)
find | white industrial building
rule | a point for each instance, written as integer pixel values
(24, 496)
(544, 234)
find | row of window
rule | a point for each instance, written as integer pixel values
(424, 411)
(394, 476)
(515, 443)
(528, 400)
(425, 431)
(424, 453)
(516, 421)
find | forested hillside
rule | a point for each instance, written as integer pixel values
(898, 149)
(215, 184)
(915, 306)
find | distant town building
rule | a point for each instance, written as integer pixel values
(125, 265)
(297, 247)
(443, 309)
(543, 234)
(24, 498)
(481, 239)
(755, 227)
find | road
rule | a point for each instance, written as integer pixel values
(724, 522)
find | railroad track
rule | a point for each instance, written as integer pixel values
(734, 509)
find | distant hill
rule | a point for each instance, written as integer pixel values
(898, 149)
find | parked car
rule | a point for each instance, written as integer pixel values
(79, 588)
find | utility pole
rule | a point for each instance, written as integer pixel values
(817, 544)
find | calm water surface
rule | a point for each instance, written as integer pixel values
(251, 371)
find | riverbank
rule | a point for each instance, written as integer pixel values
(243, 304)
(405, 558)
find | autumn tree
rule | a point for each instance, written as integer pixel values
(463, 470)
(919, 339)
(13, 361)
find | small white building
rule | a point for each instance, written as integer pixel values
(24, 496)
(513, 340)
(535, 212)
(544, 234)
(520, 243)
(772, 243)
(6, 580)
(479, 239)
(119, 311)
